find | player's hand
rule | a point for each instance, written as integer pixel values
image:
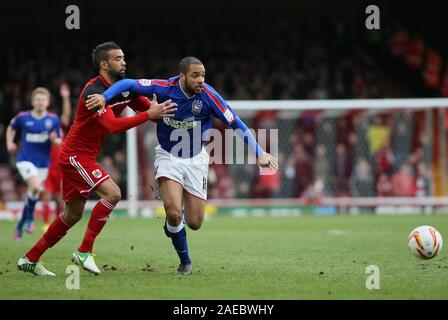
(267, 161)
(64, 91)
(95, 100)
(54, 139)
(12, 147)
(164, 109)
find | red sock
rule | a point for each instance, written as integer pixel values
(57, 230)
(98, 219)
(46, 212)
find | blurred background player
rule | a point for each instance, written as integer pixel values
(77, 158)
(181, 167)
(39, 129)
(52, 186)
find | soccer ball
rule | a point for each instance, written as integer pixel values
(425, 242)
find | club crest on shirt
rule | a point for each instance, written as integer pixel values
(196, 106)
(48, 124)
(125, 94)
(97, 173)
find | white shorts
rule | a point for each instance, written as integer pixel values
(28, 169)
(191, 173)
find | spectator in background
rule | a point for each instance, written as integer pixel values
(119, 162)
(377, 134)
(384, 186)
(402, 138)
(385, 158)
(303, 169)
(342, 171)
(344, 129)
(321, 166)
(267, 185)
(362, 180)
(422, 181)
(220, 183)
(403, 182)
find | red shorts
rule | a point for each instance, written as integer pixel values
(53, 182)
(80, 177)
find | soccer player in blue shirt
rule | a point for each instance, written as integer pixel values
(181, 165)
(39, 129)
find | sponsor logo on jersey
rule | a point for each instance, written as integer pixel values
(29, 123)
(228, 115)
(179, 124)
(125, 94)
(144, 82)
(48, 123)
(36, 137)
(97, 173)
(196, 106)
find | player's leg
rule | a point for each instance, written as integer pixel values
(171, 193)
(58, 229)
(110, 195)
(195, 189)
(30, 175)
(194, 210)
(33, 194)
(35, 187)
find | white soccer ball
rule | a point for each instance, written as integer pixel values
(425, 242)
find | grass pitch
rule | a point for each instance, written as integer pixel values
(307, 257)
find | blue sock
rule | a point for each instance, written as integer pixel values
(22, 220)
(178, 237)
(30, 205)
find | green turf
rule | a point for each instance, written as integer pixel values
(239, 258)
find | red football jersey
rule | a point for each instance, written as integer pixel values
(90, 127)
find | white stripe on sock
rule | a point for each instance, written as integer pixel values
(107, 204)
(175, 229)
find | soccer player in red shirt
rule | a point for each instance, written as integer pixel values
(81, 175)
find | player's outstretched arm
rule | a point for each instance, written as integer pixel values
(116, 89)
(264, 159)
(64, 91)
(10, 135)
(222, 110)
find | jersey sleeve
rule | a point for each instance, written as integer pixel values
(222, 110)
(16, 122)
(113, 124)
(219, 107)
(141, 86)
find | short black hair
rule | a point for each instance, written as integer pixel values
(184, 64)
(101, 52)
